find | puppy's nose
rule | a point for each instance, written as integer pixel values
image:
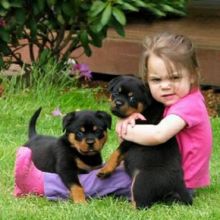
(90, 141)
(119, 103)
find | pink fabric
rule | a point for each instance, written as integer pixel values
(28, 179)
(195, 140)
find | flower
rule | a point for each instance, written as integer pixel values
(56, 112)
(79, 70)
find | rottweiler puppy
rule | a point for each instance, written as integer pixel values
(78, 150)
(155, 170)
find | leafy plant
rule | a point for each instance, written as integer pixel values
(62, 26)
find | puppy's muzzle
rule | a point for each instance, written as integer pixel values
(90, 142)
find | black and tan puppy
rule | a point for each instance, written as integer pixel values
(77, 151)
(155, 170)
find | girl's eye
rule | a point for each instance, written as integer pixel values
(79, 135)
(175, 78)
(156, 80)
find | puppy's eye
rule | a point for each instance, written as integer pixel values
(132, 100)
(115, 95)
(79, 135)
(99, 133)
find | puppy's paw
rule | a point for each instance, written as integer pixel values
(80, 201)
(77, 194)
(104, 173)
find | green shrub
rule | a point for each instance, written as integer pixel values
(65, 25)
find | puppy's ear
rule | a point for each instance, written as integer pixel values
(105, 117)
(67, 119)
(112, 83)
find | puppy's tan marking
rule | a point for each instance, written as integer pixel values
(99, 143)
(132, 191)
(77, 194)
(80, 164)
(79, 145)
(111, 164)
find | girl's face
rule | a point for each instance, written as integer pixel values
(166, 88)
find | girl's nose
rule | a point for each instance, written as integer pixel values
(165, 84)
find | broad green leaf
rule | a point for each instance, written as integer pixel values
(4, 48)
(33, 28)
(96, 41)
(4, 35)
(97, 10)
(67, 9)
(60, 19)
(157, 12)
(96, 5)
(41, 4)
(106, 15)
(1, 63)
(119, 16)
(129, 7)
(20, 16)
(16, 4)
(120, 30)
(51, 2)
(96, 27)
(118, 27)
(143, 4)
(168, 8)
(84, 38)
(87, 51)
(3, 12)
(5, 4)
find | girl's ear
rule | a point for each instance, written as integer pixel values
(193, 79)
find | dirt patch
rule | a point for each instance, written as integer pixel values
(212, 99)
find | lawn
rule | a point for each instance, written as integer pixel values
(16, 108)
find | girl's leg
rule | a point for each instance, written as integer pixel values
(28, 179)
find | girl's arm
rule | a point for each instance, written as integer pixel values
(151, 134)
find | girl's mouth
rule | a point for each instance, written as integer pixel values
(168, 96)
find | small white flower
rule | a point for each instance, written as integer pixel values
(71, 61)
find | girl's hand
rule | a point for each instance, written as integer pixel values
(122, 124)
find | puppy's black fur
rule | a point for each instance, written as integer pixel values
(76, 151)
(155, 170)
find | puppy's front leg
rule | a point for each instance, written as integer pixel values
(111, 164)
(77, 193)
(71, 180)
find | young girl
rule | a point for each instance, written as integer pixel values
(170, 68)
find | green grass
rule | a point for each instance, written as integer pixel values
(16, 109)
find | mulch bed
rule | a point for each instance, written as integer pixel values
(212, 99)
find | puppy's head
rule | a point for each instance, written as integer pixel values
(128, 95)
(86, 131)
